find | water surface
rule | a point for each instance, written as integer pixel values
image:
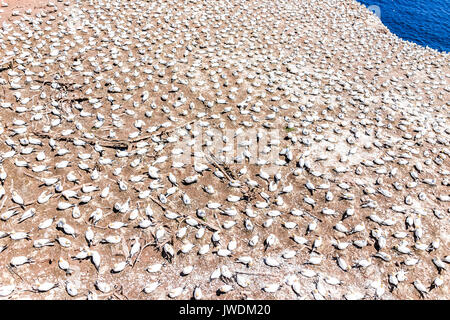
(426, 22)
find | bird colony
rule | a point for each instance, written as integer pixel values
(114, 184)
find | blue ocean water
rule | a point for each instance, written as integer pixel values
(425, 22)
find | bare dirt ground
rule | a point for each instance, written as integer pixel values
(111, 94)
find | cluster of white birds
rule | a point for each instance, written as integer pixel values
(96, 96)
